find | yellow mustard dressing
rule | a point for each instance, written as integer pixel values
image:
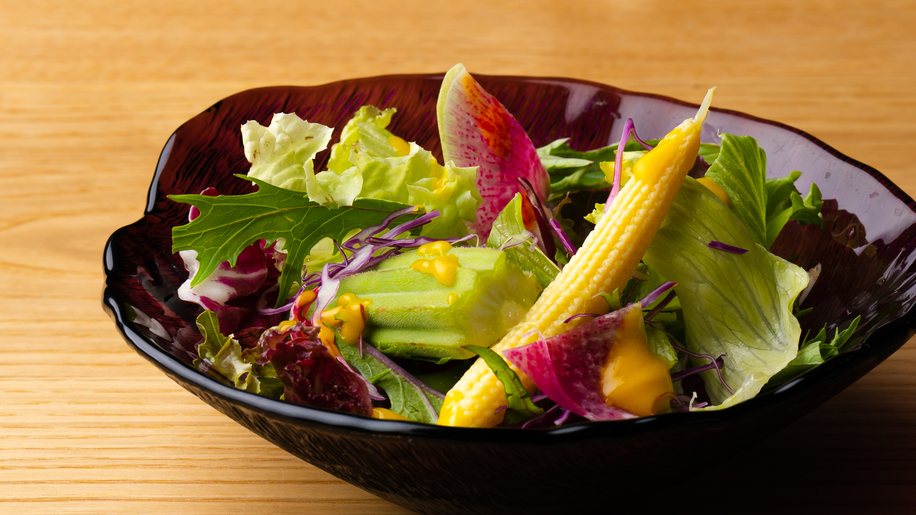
(387, 414)
(715, 188)
(434, 249)
(635, 379)
(442, 266)
(400, 146)
(349, 317)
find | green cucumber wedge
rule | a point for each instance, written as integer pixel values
(413, 315)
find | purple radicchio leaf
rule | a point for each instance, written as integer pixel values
(311, 376)
(234, 293)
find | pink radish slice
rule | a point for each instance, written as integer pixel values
(476, 130)
(568, 367)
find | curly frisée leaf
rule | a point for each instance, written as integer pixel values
(229, 223)
(226, 357)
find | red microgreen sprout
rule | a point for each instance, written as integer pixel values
(716, 362)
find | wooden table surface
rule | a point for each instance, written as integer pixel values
(91, 90)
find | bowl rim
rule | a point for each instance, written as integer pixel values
(880, 344)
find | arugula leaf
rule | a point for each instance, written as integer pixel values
(520, 406)
(229, 223)
(406, 399)
(508, 231)
(232, 362)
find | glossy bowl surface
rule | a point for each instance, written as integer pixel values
(866, 249)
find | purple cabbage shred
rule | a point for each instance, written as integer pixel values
(629, 129)
(561, 235)
(718, 245)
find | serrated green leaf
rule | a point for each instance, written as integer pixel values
(763, 205)
(813, 352)
(229, 223)
(520, 407)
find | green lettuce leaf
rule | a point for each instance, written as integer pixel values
(740, 170)
(661, 346)
(763, 205)
(349, 136)
(520, 406)
(281, 153)
(737, 305)
(406, 399)
(508, 231)
(232, 362)
(229, 223)
(376, 168)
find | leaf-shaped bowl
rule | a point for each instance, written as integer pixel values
(866, 250)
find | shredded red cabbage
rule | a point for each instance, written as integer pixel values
(659, 307)
(561, 235)
(718, 245)
(653, 295)
(718, 363)
(570, 319)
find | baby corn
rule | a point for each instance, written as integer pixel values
(605, 262)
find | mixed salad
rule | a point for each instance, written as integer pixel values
(394, 286)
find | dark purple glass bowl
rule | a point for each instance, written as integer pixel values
(866, 250)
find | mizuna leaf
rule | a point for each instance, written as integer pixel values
(519, 407)
(229, 223)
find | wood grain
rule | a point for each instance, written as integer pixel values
(91, 90)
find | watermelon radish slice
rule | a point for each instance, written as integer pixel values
(572, 367)
(476, 130)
